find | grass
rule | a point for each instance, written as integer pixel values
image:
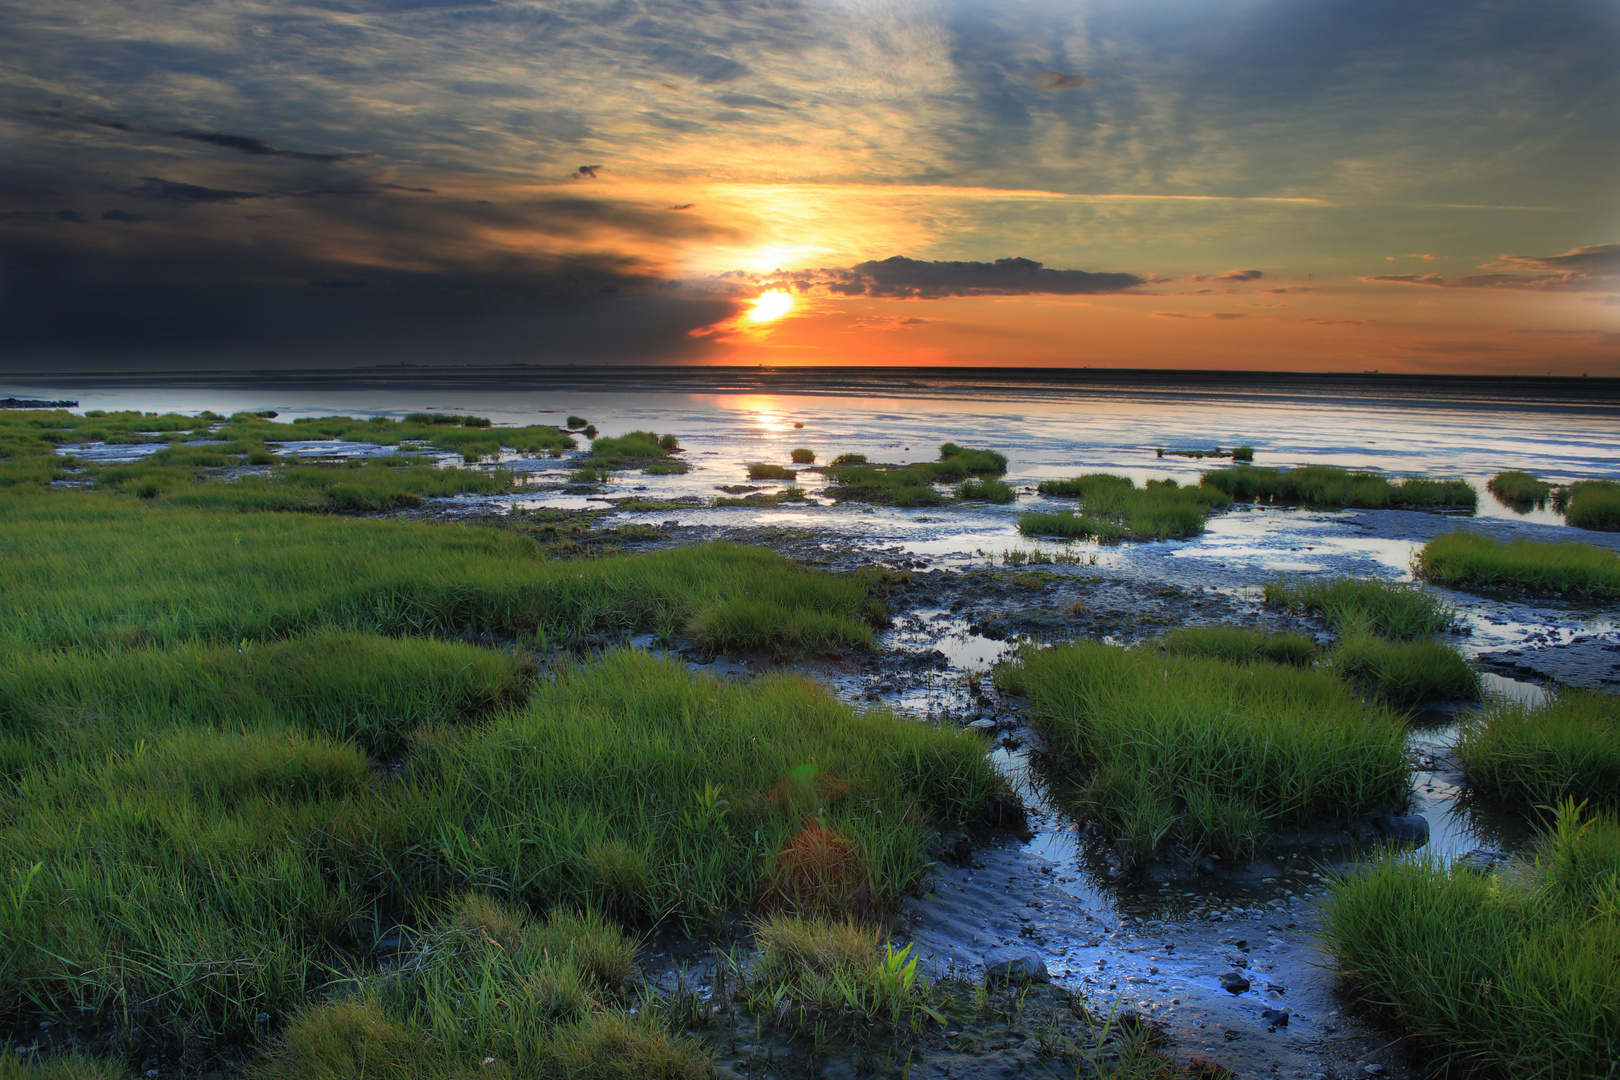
(1559, 568)
(1211, 754)
(1591, 504)
(1161, 510)
(994, 491)
(1568, 747)
(849, 459)
(1237, 453)
(781, 498)
(761, 470)
(1239, 646)
(473, 437)
(1507, 975)
(95, 571)
(910, 485)
(1350, 605)
(495, 991)
(1513, 488)
(803, 456)
(644, 450)
(1326, 485)
(1405, 673)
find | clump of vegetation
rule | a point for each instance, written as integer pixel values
(910, 485)
(638, 450)
(1512, 973)
(1406, 673)
(1399, 612)
(1211, 754)
(803, 456)
(576, 423)
(1237, 453)
(1326, 485)
(1518, 489)
(1568, 747)
(94, 570)
(849, 459)
(1239, 646)
(1070, 526)
(1562, 568)
(492, 989)
(1590, 504)
(759, 498)
(763, 470)
(1161, 510)
(994, 491)
(473, 437)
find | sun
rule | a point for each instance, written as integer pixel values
(770, 305)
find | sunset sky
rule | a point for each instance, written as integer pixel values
(1305, 186)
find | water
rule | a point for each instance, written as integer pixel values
(1160, 941)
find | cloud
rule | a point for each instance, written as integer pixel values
(160, 190)
(1222, 315)
(889, 322)
(1582, 269)
(1052, 80)
(71, 216)
(1242, 275)
(915, 279)
(241, 144)
(123, 216)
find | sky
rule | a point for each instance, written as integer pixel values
(1312, 185)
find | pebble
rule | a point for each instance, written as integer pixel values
(1233, 983)
(1010, 963)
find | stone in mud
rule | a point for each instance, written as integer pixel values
(1413, 829)
(1233, 983)
(1481, 860)
(1276, 1018)
(1012, 964)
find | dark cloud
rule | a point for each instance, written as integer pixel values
(340, 283)
(241, 144)
(1582, 269)
(916, 279)
(71, 216)
(1052, 80)
(748, 101)
(123, 216)
(1222, 315)
(588, 171)
(1242, 275)
(160, 190)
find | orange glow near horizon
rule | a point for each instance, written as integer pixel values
(771, 305)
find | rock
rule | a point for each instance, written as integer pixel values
(983, 724)
(1206, 866)
(1233, 983)
(1276, 1018)
(1413, 829)
(1481, 860)
(1012, 964)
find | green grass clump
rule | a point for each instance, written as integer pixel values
(1512, 975)
(1350, 605)
(473, 437)
(803, 456)
(1550, 567)
(1212, 754)
(342, 684)
(1591, 504)
(994, 491)
(75, 1066)
(1162, 510)
(636, 449)
(909, 485)
(1405, 673)
(576, 423)
(1326, 485)
(353, 487)
(1239, 646)
(1568, 747)
(1070, 526)
(93, 571)
(836, 974)
(761, 470)
(758, 498)
(492, 991)
(1514, 488)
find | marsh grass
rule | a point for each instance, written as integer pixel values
(784, 497)
(1510, 975)
(1405, 673)
(637, 450)
(1161, 510)
(1568, 747)
(762, 470)
(1591, 504)
(1518, 489)
(909, 485)
(1399, 612)
(1212, 754)
(994, 491)
(498, 992)
(1549, 567)
(473, 437)
(1239, 646)
(170, 890)
(803, 456)
(1326, 485)
(95, 571)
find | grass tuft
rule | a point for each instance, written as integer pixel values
(763, 470)
(1239, 646)
(1568, 747)
(994, 491)
(1513, 488)
(1591, 504)
(1512, 975)
(1326, 485)
(1113, 507)
(803, 456)
(1351, 605)
(1405, 673)
(1538, 566)
(909, 485)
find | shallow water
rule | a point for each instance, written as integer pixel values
(1156, 943)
